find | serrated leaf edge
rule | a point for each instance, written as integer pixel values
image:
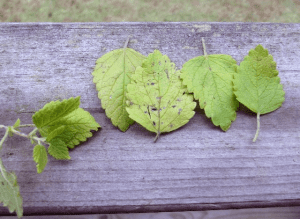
(4, 174)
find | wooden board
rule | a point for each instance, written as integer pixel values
(249, 213)
(198, 167)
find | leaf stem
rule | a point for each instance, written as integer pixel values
(204, 48)
(19, 133)
(258, 127)
(156, 137)
(29, 136)
(158, 125)
(27, 125)
(4, 137)
(126, 43)
(33, 132)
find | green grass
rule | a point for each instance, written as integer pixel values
(149, 10)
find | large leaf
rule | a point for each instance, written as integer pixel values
(64, 124)
(10, 191)
(156, 97)
(210, 78)
(112, 74)
(257, 85)
(53, 111)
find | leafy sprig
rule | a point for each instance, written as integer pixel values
(62, 125)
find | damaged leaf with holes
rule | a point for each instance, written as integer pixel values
(156, 96)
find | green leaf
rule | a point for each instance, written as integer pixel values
(210, 78)
(55, 132)
(257, 85)
(40, 157)
(64, 122)
(10, 133)
(17, 123)
(112, 74)
(10, 191)
(58, 149)
(156, 97)
(54, 111)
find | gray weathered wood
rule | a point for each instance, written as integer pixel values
(253, 213)
(198, 167)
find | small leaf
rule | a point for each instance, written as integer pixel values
(10, 133)
(40, 157)
(58, 149)
(64, 124)
(156, 97)
(17, 123)
(112, 74)
(257, 85)
(210, 78)
(10, 191)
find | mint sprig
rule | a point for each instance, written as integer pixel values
(62, 125)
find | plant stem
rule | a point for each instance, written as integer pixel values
(29, 135)
(27, 125)
(156, 137)
(33, 132)
(258, 127)
(204, 48)
(4, 137)
(126, 43)
(19, 133)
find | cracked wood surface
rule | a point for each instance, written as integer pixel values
(197, 167)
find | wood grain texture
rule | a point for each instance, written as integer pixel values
(253, 213)
(197, 167)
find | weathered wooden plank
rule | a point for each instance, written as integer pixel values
(197, 167)
(253, 213)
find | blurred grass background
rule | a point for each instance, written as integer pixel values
(149, 10)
